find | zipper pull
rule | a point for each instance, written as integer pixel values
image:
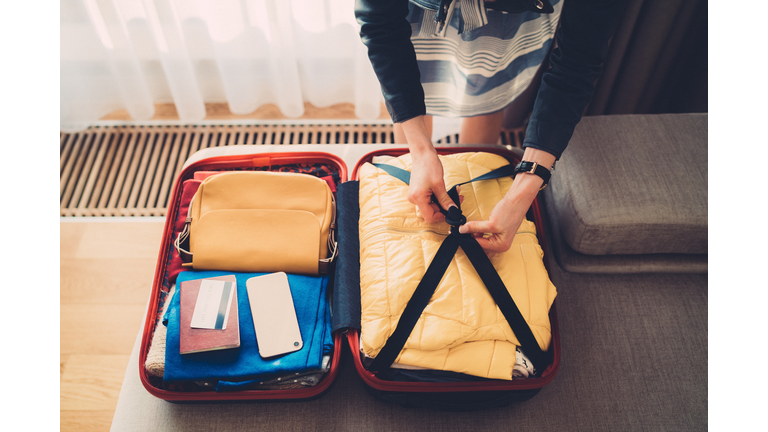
(442, 11)
(442, 16)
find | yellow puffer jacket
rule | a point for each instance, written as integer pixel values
(461, 329)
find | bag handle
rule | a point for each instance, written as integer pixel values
(437, 268)
(182, 239)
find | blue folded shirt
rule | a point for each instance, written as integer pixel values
(245, 363)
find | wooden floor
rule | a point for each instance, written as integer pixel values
(107, 269)
(106, 272)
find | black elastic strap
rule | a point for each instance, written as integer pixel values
(452, 218)
(405, 176)
(507, 305)
(505, 171)
(434, 275)
(419, 300)
(427, 287)
(396, 172)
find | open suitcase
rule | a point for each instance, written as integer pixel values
(345, 298)
(319, 164)
(468, 395)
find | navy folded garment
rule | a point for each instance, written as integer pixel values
(223, 385)
(245, 363)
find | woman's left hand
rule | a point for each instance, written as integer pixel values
(501, 226)
(497, 233)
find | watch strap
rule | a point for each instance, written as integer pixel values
(534, 168)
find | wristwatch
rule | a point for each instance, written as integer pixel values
(534, 168)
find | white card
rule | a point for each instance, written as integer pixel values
(213, 304)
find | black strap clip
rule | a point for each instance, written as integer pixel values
(453, 215)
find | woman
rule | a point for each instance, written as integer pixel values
(566, 88)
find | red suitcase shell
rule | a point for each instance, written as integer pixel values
(460, 395)
(463, 395)
(223, 163)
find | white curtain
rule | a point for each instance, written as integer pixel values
(131, 54)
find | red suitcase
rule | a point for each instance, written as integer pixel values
(321, 162)
(456, 395)
(462, 395)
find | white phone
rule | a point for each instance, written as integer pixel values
(274, 315)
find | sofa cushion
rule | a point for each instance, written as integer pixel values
(576, 262)
(634, 184)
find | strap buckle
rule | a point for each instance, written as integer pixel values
(529, 167)
(453, 215)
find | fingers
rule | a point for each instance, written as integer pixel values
(443, 198)
(496, 242)
(426, 180)
(420, 194)
(491, 244)
(476, 227)
(432, 213)
(422, 199)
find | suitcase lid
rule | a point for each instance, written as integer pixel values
(223, 159)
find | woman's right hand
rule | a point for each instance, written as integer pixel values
(427, 179)
(426, 172)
